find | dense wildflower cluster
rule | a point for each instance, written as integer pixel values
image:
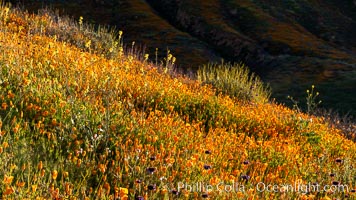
(78, 124)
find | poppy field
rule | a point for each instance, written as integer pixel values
(82, 116)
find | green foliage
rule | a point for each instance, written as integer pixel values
(312, 104)
(311, 101)
(235, 80)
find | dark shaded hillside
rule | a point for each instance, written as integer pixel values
(292, 44)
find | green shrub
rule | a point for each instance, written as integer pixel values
(235, 80)
(311, 104)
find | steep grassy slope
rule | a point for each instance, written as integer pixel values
(81, 119)
(291, 44)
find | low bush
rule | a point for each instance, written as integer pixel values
(235, 80)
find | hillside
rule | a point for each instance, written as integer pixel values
(81, 118)
(291, 44)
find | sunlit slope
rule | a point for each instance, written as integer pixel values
(291, 44)
(82, 120)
